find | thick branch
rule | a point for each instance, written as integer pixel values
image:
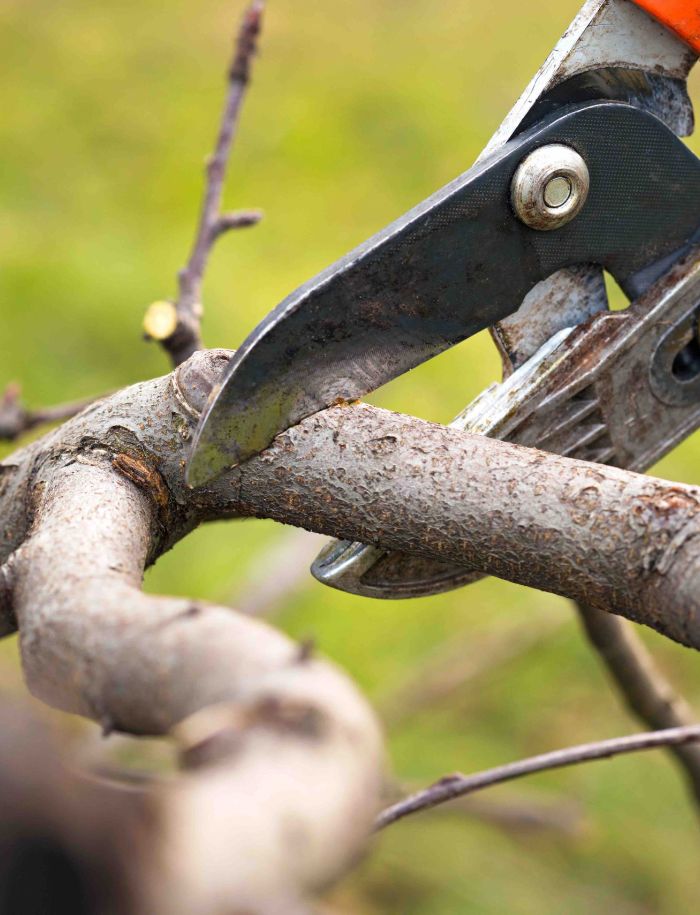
(87, 506)
(460, 785)
(617, 539)
(643, 687)
(284, 755)
(620, 540)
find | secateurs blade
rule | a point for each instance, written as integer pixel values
(587, 173)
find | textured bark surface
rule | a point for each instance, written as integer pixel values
(613, 538)
(261, 724)
(283, 757)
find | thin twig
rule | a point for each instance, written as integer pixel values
(16, 419)
(513, 813)
(177, 327)
(643, 687)
(459, 785)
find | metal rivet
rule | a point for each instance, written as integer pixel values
(557, 192)
(550, 187)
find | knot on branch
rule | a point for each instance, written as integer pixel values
(194, 380)
(666, 520)
(146, 477)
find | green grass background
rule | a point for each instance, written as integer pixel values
(358, 110)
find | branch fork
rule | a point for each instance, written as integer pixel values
(177, 325)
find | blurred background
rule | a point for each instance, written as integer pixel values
(357, 111)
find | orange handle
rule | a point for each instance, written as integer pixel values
(681, 16)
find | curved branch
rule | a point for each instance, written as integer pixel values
(260, 724)
(93, 502)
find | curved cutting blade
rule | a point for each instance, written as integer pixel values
(457, 263)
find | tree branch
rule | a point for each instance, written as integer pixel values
(642, 686)
(458, 785)
(16, 419)
(612, 537)
(176, 325)
(259, 723)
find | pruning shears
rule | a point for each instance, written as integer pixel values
(586, 174)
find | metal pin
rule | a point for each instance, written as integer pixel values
(550, 187)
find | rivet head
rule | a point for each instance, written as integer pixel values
(550, 187)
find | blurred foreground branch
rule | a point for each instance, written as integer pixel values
(251, 712)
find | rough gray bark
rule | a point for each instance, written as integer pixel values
(283, 757)
(89, 505)
(622, 541)
(617, 539)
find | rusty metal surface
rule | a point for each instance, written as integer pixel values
(569, 297)
(604, 34)
(612, 49)
(403, 297)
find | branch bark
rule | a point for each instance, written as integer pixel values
(617, 539)
(261, 726)
(89, 505)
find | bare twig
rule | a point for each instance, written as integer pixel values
(643, 687)
(177, 325)
(459, 785)
(16, 419)
(512, 813)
